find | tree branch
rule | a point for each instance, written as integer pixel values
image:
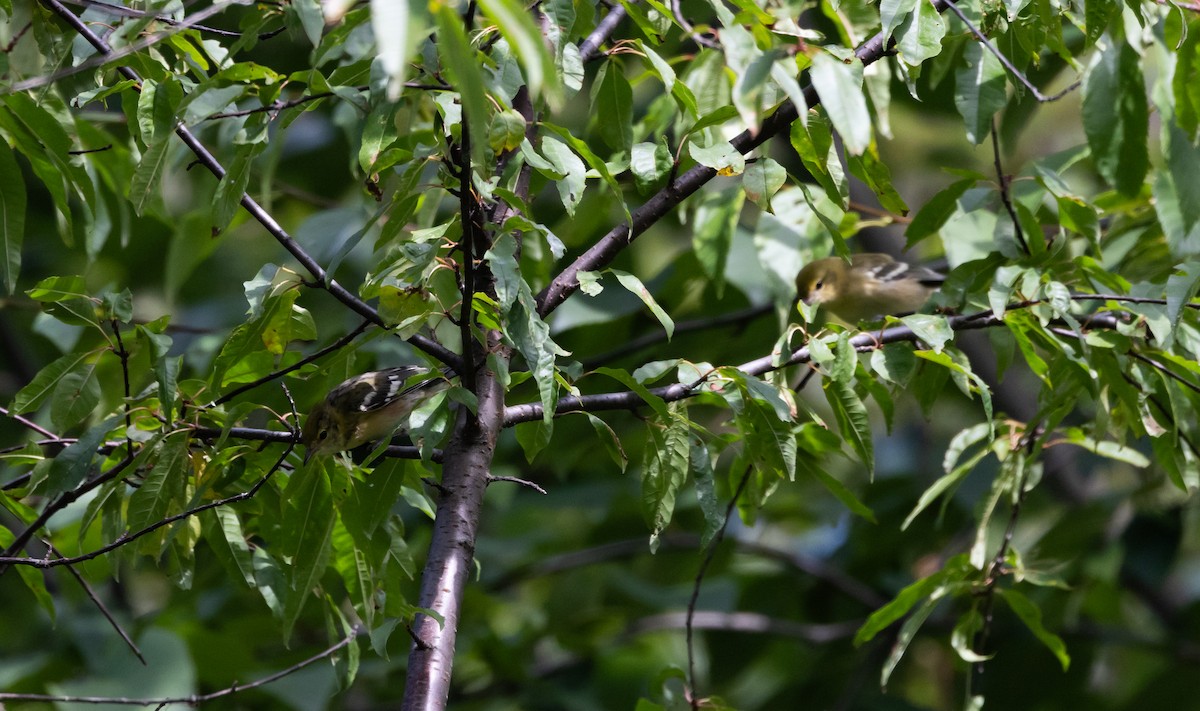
(664, 201)
(193, 700)
(206, 158)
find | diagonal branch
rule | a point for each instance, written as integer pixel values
(664, 201)
(323, 279)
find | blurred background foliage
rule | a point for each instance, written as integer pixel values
(570, 609)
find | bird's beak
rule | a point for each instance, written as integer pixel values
(308, 454)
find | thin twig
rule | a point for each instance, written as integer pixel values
(99, 604)
(336, 345)
(1004, 182)
(65, 499)
(492, 479)
(28, 423)
(195, 699)
(109, 54)
(130, 12)
(127, 537)
(634, 345)
(1042, 98)
(693, 697)
(124, 356)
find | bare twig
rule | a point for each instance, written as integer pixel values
(738, 318)
(1004, 182)
(512, 479)
(194, 699)
(336, 345)
(1016, 73)
(28, 423)
(123, 355)
(65, 499)
(99, 604)
(693, 697)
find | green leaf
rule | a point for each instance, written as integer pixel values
(161, 492)
(612, 106)
(716, 219)
(839, 84)
(655, 402)
(874, 172)
(703, 473)
(930, 217)
(814, 143)
(31, 397)
(143, 189)
(721, 156)
(517, 26)
(954, 570)
(979, 90)
(307, 531)
(12, 218)
(227, 540)
(393, 25)
(761, 180)
(1116, 117)
(610, 441)
(638, 289)
(893, 12)
(919, 36)
(72, 464)
(942, 485)
(960, 371)
(716, 117)
(664, 469)
(232, 186)
(1031, 615)
(75, 396)
(1107, 448)
(458, 57)
(908, 632)
(852, 419)
(649, 163)
(934, 330)
(571, 168)
(837, 488)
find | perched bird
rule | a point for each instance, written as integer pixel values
(868, 286)
(368, 407)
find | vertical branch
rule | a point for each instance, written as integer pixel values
(689, 624)
(124, 356)
(1004, 182)
(465, 476)
(996, 569)
(471, 235)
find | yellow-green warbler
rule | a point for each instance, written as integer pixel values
(368, 407)
(868, 286)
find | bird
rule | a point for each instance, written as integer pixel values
(868, 286)
(369, 407)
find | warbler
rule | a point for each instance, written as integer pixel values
(368, 407)
(868, 286)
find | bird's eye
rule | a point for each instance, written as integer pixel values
(323, 435)
(818, 285)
